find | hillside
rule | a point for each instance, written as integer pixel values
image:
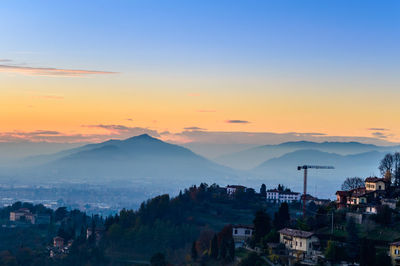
(139, 160)
(251, 158)
(323, 182)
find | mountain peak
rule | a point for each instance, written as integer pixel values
(142, 137)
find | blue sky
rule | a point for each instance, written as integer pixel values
(329, 67)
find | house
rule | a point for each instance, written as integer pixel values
(341, 198)
(375, 183)
(19, 214)
(58, 242)
(301, 244)
(241, 233)
(357, 196)
(374, 190)
(98, 232)
(391, 203)
(276, 196)
(395, 252)
(371, 209)
(322, 202)
(232, 189)
(272, 195)
(289, 197)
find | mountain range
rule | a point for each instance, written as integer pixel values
(157, 166)
(250, 158)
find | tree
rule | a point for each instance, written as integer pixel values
(60, 213)
(331, 251)
(263, 191)
(384, 215)
(352, 183)
(282, 217)
(352, 240)
(158, 259)
(262, 225)
(194, 251)
(225, 241)
(386, 164)
(214, 248)
(396, 173)
(367, 253)
(383, 259)
(253, 259)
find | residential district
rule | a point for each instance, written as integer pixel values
(361, 227)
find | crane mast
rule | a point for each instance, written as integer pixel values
(305, 168)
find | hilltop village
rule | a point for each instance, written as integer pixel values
(213, 225)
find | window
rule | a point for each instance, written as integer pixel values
(247, 232)
(235, 231)
(296, 243)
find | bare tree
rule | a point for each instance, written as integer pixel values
(386, 164)
(396, 174)
(352, 183)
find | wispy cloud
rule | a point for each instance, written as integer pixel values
(48, 71)
(109, 127)
(379, 135)
(115, 131)
(377, 129)
(122, 130)
(235, 121)
(194, 128)
(5, 60)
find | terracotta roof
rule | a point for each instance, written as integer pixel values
(242, 226)
(342, 193)
(357, 191)
(296, 233)
(395, 243)
(374, 179)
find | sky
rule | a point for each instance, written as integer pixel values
(254, 72)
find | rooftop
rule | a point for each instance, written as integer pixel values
(395, 243)
(235, 186)
(296, 233)
(374, 179)
(242, 226)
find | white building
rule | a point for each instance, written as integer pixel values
(232, 189)
(301, 244)
(276, 196)
(371, 209)
(241, 233)
(272, 195)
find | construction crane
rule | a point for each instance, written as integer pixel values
(305, 168)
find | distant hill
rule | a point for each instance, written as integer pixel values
(141, 159)
(250, 158)
(283, 169)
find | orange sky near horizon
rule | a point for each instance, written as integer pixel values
(164, 103)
